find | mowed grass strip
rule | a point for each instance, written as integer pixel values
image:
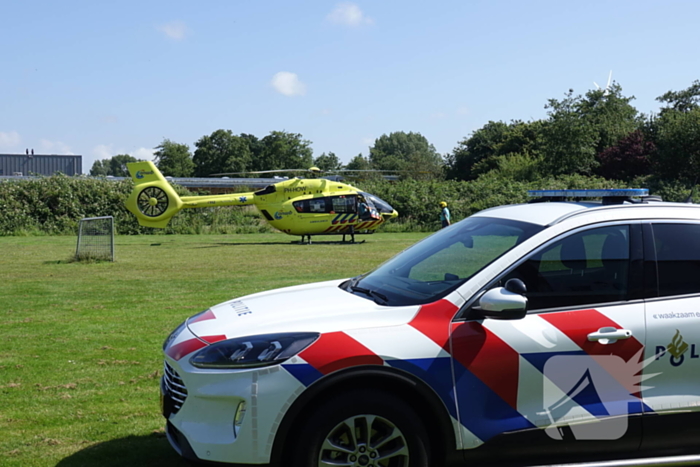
(80, 343)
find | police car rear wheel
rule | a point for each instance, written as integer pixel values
(363, 429)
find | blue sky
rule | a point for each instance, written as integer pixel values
(100, 79)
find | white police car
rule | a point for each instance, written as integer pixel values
(537, 333)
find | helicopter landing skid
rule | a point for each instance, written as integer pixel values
(352, 240)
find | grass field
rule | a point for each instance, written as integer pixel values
(80, 343)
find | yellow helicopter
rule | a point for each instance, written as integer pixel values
(294, 206)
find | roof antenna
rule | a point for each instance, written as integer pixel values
(689, 199)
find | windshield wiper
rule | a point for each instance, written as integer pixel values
(372, 294)
(350, 283)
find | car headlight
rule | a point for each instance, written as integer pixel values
(253, 351)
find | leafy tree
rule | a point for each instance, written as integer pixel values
(676, 133)
(174, 159)
(282, 150)
(407, 152)
(482, 144)
(678, 144)
(100, 168)
(517, 167)
(484, 150)
(359, 162)
(569, 140)
(682, 101)
(255, 146)
(328, 162)
(221, 152)
(629, 158)
(610, 114)
(115, 166)
(523, 138)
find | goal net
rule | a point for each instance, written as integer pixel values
(95, 239)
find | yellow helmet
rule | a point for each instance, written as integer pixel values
(443, 204)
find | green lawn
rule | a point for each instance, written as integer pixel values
(80, 355)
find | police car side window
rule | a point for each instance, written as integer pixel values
(589, 267)
(678, 258)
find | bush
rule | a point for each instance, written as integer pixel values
(417, 202)
(54, 205)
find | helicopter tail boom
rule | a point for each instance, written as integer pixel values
(154, 202)
(235, 199)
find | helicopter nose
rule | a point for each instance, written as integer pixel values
(391, 215)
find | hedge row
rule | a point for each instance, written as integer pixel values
(54, 205)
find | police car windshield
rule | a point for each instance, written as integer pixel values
(436, 266)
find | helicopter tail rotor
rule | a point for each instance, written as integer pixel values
(153, 201)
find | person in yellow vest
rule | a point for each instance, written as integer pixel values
(444, 214)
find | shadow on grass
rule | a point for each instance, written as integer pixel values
(216, 245)
(133, 451)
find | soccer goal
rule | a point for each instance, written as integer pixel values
(95, 239)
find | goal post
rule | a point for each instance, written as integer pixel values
(95, 239)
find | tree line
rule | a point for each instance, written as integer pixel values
(223, 152)
(599, 134)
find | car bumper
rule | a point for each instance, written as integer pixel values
(203, 427)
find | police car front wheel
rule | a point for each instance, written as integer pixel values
(363, 428)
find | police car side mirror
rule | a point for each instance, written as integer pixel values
(504, 302)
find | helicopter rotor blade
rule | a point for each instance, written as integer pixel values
(314, 170)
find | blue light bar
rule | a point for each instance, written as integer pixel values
(608, 193)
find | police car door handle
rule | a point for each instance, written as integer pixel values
(609, 335)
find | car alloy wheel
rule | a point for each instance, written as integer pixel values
(361, 428)
(364, 441)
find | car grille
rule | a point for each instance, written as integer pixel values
(175, 386)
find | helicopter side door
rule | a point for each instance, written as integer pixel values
(325, 214)
(311, 215)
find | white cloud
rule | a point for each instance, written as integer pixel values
(288, 84)
(102, 151)
(54, 147)
(369, 141)
(348, 14)
(105, 151)
(176, 30)
(145, 154)
(9, 139)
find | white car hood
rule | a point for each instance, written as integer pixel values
(320, 307)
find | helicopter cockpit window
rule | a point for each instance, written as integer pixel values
(343, 203)
(380, 204)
